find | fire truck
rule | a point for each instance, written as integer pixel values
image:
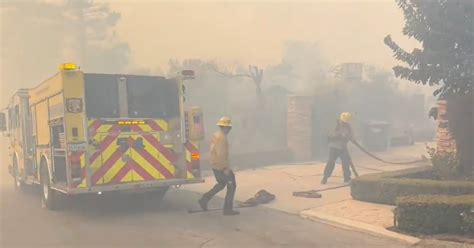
(78, 133)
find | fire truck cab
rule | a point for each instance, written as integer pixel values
(81, 132)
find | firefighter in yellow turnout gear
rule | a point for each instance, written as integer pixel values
(338, 148)
(219, 158)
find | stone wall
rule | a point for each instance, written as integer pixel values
(444, 140)
(299, 139)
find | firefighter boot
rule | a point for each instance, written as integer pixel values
(324, 180)
(203, 203)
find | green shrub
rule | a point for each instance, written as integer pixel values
(445, 164)
(386, 187)
(432, 214)
(468, 222)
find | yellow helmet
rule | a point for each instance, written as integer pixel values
(224, 122)
(346, 117)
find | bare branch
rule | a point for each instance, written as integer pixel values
(224, 73)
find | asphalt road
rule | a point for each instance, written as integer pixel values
(129, 221)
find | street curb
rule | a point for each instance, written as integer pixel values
(357, 226)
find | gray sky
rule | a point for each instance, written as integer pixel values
(254, 32)
(246, 32)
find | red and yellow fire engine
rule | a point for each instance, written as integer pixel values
(80, 132)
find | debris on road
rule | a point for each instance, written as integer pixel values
(262, 197)
(308, 194)
(315, 193)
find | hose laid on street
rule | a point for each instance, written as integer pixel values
(423, 159)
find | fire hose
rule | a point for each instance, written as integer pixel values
(423, 158)
(316, 194)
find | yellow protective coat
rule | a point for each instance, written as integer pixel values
(219, 151)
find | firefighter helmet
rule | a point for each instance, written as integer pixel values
(346, 117)
(224, 122)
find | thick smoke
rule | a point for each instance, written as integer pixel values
(39, 35)
(303, 70)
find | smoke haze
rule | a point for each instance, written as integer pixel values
(231, 31)
(256, 33)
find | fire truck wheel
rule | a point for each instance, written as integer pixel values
(49, 196)
(19, 184)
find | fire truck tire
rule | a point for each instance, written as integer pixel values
(19, 184)
(49, 196)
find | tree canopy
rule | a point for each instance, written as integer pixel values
(445, 29)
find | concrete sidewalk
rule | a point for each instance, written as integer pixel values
(336, 206)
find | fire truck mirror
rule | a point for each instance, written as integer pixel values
(3, 122)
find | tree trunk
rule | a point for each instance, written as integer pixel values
(259, 110)
(260, 100)
(461, 125)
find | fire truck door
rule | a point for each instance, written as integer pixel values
(58, 151)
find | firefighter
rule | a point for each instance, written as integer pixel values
(219, 156)
(338, 148)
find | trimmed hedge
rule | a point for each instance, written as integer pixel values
(385, 187)
(433, 214)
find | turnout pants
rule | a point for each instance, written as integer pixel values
(334, 154)
(223, 181)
